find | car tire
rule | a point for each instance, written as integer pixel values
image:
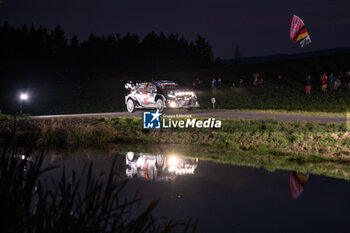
(130, 105)
(160, 105)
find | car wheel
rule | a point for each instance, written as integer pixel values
(160, 105)
(130, 105)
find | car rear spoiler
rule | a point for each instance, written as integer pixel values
(129, 85)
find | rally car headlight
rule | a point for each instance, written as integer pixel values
(172, 104)
(184, 93)
(173, 161)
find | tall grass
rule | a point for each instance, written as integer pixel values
(272, 99)
(260, 136)
(30, 203)
(65, 133)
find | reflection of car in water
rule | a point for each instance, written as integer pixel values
(158, 167)
(158, 95)
(297, 182)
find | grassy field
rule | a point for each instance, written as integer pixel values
(247, 99)
(314, 113)
(321, 148)
(257, 136)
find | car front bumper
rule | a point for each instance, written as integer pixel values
(182, 104)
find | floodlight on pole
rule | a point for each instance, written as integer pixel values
(23, 97)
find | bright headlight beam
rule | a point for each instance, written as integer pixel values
(24, 96)
(172, 104)
(173, 161)
(185, 93)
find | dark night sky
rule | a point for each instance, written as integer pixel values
(259, 27)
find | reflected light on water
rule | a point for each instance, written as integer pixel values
(158, 167)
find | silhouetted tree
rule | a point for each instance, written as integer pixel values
(204, 50)
(57, 39)
(35, 55)
(74, 42)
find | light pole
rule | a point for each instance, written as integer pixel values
(23, 97)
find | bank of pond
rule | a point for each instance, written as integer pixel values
(319, 148)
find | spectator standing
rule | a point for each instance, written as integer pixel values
(233, 85)
(347, 80)
(220, 84)
(197, 81)
(200, 82)
(261, 82)
(255, 80)
(80, 91)
(308, 85)
(331, 82)
(324, 79)
(337, 83)
(241, 82)
(280, 83)
(213, 85)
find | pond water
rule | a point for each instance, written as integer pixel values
(227, 198)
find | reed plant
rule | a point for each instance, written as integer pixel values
(32, 203)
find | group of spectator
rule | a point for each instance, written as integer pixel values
(328, 83)
(197, 83)
(240, 83)
(257, 80)
(217, 83)
(331, 83)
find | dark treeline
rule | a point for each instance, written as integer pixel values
(31, 54)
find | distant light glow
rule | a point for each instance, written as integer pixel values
(24, 96)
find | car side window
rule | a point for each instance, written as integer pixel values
(146, 87)
(140, 86)
(150, 88)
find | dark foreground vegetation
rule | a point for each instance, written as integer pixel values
(275, 144)
(32, 202)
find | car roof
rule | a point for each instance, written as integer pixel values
(164, 82)
(158, 82)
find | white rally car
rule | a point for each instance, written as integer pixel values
(158, 167)
(159, 95)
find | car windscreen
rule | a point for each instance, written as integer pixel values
(169, 86)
